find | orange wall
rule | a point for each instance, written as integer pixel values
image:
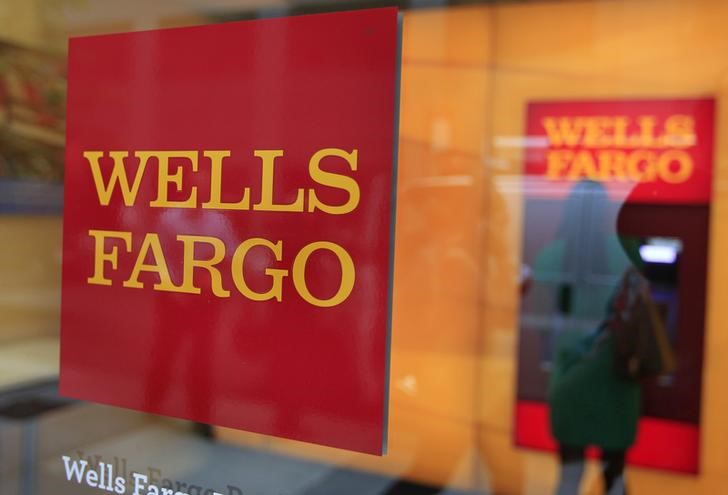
(30, 276)
(596, 50)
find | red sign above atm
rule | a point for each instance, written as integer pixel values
(228, 224)
(664, 146)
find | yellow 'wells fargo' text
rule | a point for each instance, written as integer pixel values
(109, 173)
(621, 148)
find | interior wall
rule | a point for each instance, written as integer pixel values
(605, 50)
(21, 22)
(30, 276)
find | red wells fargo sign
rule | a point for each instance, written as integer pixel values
(228, 224)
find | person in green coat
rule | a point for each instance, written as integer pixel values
(590, 404)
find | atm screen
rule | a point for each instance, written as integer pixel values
(661, 258)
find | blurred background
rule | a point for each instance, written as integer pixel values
(468, 235)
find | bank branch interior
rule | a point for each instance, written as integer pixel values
(554, 157)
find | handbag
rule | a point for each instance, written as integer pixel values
(641, 346)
